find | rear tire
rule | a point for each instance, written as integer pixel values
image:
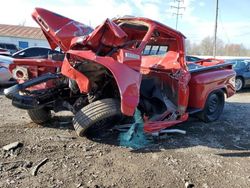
(40, 116)
(213, 107)
(96, 115)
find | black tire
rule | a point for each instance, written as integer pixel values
(213, 107)
(95, 116)
(239, 83)
(40, 116)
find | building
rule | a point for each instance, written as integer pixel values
(22, 36)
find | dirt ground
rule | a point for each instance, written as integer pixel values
(209, 155)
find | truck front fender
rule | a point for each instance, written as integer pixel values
(127, 80)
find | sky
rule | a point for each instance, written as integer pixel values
(197, 20)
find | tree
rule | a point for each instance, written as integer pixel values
(205, 47)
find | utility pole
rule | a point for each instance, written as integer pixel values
(215, 28)
(178, 8)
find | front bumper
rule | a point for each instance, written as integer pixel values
(33, 101)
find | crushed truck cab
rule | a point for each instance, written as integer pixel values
(136, 63)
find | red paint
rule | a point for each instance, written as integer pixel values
(128, 88)
(35, 68)
(190, 91)
(119, 49)
(58, 29)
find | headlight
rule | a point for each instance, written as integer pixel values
(20, 73)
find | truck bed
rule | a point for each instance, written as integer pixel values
(195, 68)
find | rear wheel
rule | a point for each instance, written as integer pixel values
(39, 116)
(96, 116)
(239, 83)
(213, 107)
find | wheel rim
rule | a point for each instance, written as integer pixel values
(213, 104)
(238, 84)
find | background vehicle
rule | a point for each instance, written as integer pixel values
(5, 75)
(35, 52)
(242, 69)
(4, 52)
(192, 58)
(12, 48)
(124, 65)
(13, 70)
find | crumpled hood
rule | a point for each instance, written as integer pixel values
(58, 29)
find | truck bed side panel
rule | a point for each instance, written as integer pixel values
(203, 83)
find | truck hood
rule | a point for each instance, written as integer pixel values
(59, 30)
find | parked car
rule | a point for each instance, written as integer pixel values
(4, 52)
(5, 75)
(123, 65)
(242, 69)
(12, 70)
(192, 58)
(35, 52)
(12, 48)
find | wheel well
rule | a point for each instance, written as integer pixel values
(101, 79)
(208, 115)
(223, 90)
(112, 88)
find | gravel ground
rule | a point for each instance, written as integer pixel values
(209, 155)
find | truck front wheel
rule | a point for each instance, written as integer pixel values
(39, 116)
(96, 116)
(213, 107)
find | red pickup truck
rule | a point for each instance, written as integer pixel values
(123, 65)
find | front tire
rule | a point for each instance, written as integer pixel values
(39, 116)
(213, 107)
(96, 115)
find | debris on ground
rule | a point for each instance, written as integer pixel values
(135, 137)
(13, 146)
(36, 168)
(206, 156)
(189, 185)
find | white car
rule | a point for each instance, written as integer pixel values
(5, 75)
(4, 52)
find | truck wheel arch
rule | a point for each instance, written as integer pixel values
(126, 79)
(213, 106)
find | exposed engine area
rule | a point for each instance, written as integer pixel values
(102, 82)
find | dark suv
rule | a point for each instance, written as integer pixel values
(242, 69)
(35, 52)
(12, 48)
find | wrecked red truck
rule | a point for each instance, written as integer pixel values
(123, 65)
